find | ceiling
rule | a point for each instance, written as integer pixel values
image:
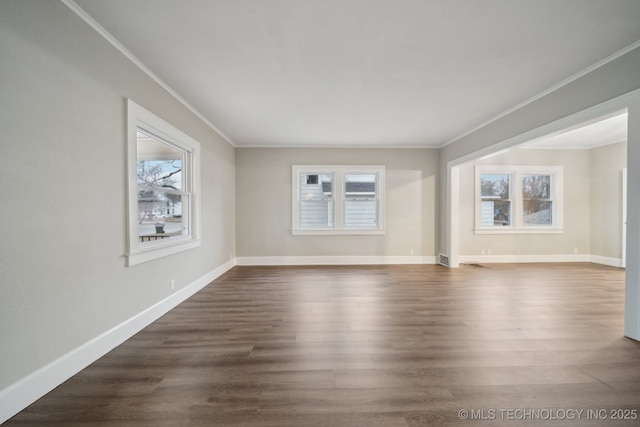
(362, 73)
(605, 131)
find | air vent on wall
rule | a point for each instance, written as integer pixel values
(443, 260)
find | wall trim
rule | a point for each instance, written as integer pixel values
(27, 390)
(497, 259)
(613, 262)
(335, 260)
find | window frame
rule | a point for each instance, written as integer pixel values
(339, 190)
(137, 251)
(516, 197)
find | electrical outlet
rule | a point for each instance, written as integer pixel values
(481, 251)
(172, 284)
(411, 252)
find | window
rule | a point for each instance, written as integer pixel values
(163, 180)
(518, 199)
(338, 199)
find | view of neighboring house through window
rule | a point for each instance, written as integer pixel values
(316, 200)
(519, 199)
(338, 199)
(361, 202)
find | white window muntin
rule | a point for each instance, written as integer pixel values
(141, 120)
(338, 172)
(517, 225)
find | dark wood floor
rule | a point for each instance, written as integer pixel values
(371, 346)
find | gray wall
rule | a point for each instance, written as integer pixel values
(263, 179)
(63, 234)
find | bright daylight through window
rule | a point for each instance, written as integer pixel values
(163, 177)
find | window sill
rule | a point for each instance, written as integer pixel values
(158, 251)
(336, 232)
(519, 230)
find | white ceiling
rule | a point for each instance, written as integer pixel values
(392, 73)
(609, 130)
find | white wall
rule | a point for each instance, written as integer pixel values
(632, 276)
(605, 166)
(63, 229)
(263, 177)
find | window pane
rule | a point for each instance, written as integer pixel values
(361, 213)
(316, 200)
(159, 174)
(537, 212)
(159, 164)
(495, 212)
(494, 186)
(159, 214)
(361, 201)
(536, 187)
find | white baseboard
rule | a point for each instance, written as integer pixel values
(335, 260)
(613, 262)
(488, 259)
(385, 260)
(24, 392)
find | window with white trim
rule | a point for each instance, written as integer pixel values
(163, 181)
(518, 199)
(338, 199)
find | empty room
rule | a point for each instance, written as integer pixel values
(320, 213)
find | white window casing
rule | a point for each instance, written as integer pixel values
(502, 214)
(176, 206)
